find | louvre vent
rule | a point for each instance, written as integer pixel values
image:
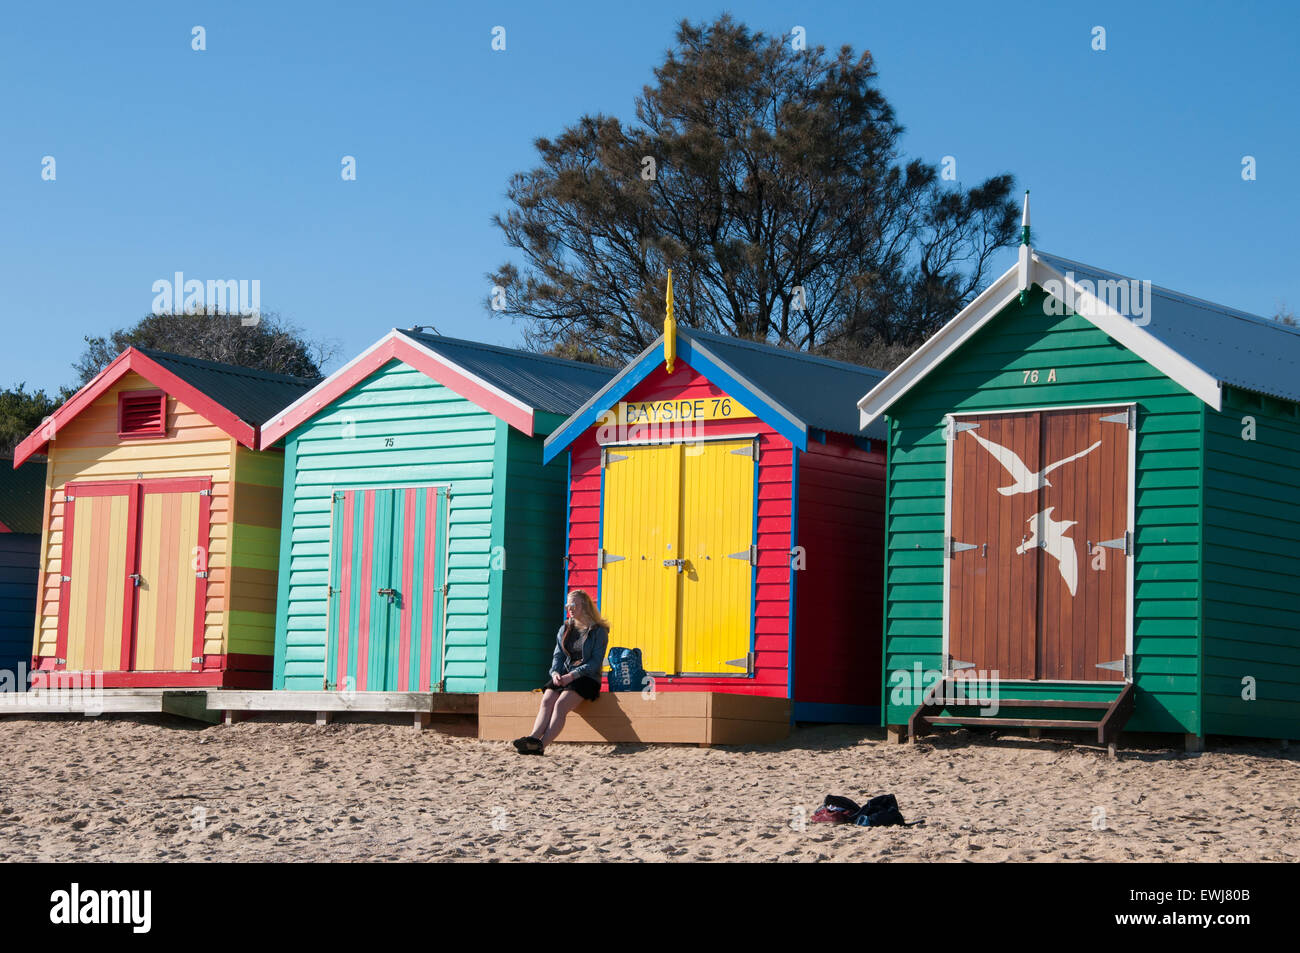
(142, 414)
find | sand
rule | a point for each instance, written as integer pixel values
(157, 788)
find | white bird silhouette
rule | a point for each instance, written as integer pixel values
(1026, 480)
(1058, 545)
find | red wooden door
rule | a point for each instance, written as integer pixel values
(1038, 544)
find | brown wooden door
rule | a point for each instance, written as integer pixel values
(1037, 548)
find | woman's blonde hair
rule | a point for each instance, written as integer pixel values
(588, 607)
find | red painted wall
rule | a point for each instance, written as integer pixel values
(772, 592)
(838, 595)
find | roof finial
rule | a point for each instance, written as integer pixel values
(670, 329)
(1025, 254)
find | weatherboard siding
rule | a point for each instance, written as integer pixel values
(987, 373)
(533, 576)
(258, 479)
(839, 593)
(438, 438)
(19, 576)
(1252, 607)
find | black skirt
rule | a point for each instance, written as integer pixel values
(584, 685)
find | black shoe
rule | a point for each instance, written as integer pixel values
(528, 745)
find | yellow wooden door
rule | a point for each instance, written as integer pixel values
(95, 568)
(717, 521)
(168, 586)
(638, 593)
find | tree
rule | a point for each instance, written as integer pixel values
(271, 344)
(770, 179)
(21, 412)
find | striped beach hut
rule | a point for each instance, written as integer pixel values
(422, 535)
(1093, 504)
(160, 531)
(728, 514)
(22, 493)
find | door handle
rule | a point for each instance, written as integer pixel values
(679, 563)
(135, 578)
(390, 593)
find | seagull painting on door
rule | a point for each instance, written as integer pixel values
(1039, 511)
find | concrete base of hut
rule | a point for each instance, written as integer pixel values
(701, 718)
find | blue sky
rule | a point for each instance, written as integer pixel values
(225, 163)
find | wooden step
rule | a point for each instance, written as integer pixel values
(1025, 703)
(1010, 722)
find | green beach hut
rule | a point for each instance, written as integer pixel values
(1093, 506)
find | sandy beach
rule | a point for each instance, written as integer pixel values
(160, 788)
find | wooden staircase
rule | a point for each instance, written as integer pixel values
(930, 713)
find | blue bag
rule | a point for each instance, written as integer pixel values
(625, 671)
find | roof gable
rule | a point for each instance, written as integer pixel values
(1199, 345)
(791, 391)
(222, 393)
(514, 386)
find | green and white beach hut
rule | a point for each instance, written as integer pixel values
(1094, 498)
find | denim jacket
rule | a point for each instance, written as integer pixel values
(593, 646)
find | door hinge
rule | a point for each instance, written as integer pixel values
(207, 492)
(606, 457)
(1124, 542)
(197, 660)
(201, 574)
(956, 665)
(1128, 418)
(60, 661)
(750, 451)
(749, 555)
(957, 426)
(66, 578)
(955, 547)
(746, 663)
(69, 499)
(606, 559)
(1124, 665)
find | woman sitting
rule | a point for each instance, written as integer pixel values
(575, 671)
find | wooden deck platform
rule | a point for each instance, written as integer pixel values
(108, 701)
(421, 705)
(702, 718)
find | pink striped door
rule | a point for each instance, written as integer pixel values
(386, 589)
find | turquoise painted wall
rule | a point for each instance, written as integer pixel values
(1252, 567)
(437, 437)
(987, 373)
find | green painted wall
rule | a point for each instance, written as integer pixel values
(987, 373)
(533, 580)
(1252, 564)
(438, 437)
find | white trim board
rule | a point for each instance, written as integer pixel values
(944, 342)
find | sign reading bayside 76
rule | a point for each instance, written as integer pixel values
(676, 411)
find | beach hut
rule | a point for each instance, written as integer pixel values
(1094, 501)
(22, 495)
(161, 525)
(422, 535)
(727, 514)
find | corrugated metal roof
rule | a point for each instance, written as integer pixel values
(542, 382)
(1235, 347)
(252, 396)
(22, 495)
(821, 392)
